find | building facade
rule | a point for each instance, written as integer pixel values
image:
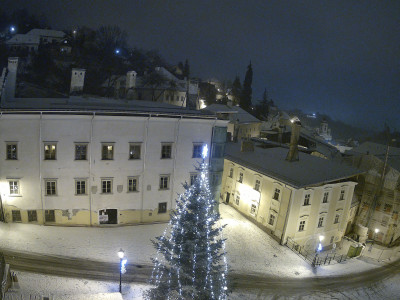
(80, 168)
(296, 200)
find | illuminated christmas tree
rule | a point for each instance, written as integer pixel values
(191, 258)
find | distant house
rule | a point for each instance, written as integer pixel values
(166, 88)
(378, 190)
(300, 200)
(31, 40)
(241, 124)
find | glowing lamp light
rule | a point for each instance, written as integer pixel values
(123, 265)
(12, 28)
(121, 253)
(204, 153)
(319, 247)
(321, 238)
(117, 51)
(376, 230)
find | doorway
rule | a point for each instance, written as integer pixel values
(108, 216)
(228, 195)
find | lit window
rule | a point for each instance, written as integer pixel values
(320, 221)
(197, 150)
(240, 177)
(12, 151)
(134, 151)
(166, 151)
(307, 199)
(80, 151)
(164, 182)
(231, 173)
(51, 187)
(193, 178)
(80, 187)
(50, 150)
(301, 226)
(106, 186)
(341, 195)
(276, 194)
(14, 187)
(325, 199)
(336, 219)
(271, 220)
(107, 151)
(257, 185)
(132, 184)
(162, 207)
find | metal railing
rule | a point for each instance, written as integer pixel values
(315, 258)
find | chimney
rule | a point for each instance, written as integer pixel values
(130, 80)
(11, 79)
(247, 146)
(293, 154)
(77, 81)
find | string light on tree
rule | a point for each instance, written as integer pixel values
(191, 258)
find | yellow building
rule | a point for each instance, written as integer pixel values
(301, 200)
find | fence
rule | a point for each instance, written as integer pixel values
(315, 258)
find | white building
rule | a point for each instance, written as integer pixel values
(91, 161)
(31, 40)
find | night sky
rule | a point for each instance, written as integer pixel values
(336, 57)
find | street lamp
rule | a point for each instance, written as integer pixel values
(319, 248)
(121, 255)
(376, 232)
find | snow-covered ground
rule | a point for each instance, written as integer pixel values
(250, 250)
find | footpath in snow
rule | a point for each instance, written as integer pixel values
(249, 250)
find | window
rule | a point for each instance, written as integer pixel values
(107, 151)
(253, 209)
(80, 151)
(237, 201)
(302, 225)
(49, 215)
(12, 151)
(387, 208)
(307, 199)
(106, 186)
(336, 219)
(193, 178)
(240, 177)
(134, 151)
(257, 185)
(197, 150)
(32, 216)
(80, 187)
(16, 215)
(166, 151)
(271, 220)
(332, 237)
(132, 184)
(325, 198)
(341, 195)
(276, 194)
(164, 182)
(214, 179)
(162, 207)
(321, 222)
(50, 150)
(51, 187)
(14, 187)
(231, 173)
(218, 151)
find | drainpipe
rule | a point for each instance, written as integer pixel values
(146, 134)
(40, 168)
(90, 170)
(283, 238)
(2, 216)
(174, 165)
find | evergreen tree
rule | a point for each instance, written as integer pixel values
(191, 260)
(186, 69)
(245, 99)
(236, 90)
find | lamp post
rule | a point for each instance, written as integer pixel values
(319, 248)
(121, 255)
(375, 233)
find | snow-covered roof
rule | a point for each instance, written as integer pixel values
(236, 113)
(308, 171)
(373, 149)
(46, 32)
(23, 39)
(100, 105)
